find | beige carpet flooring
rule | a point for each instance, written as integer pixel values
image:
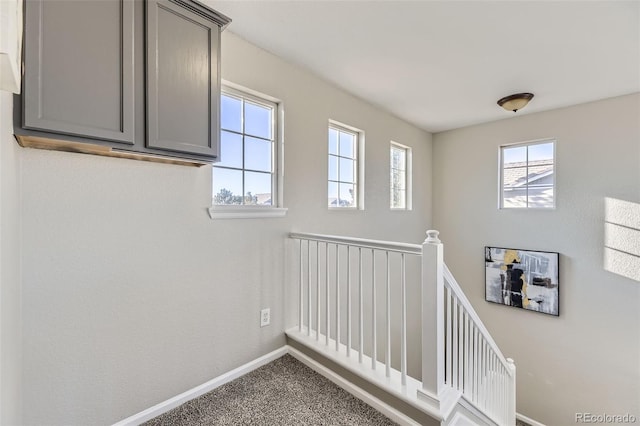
(283, 392)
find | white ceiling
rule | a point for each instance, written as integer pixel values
(444, 64)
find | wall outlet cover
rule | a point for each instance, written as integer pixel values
(265, 317)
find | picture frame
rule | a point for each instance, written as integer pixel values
(525, 279)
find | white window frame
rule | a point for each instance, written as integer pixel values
(217, 211)
(501, 205)
(408, 181)
(359, 164)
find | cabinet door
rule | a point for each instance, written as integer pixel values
(79, 68)
(183, 88)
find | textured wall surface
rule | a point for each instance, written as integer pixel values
(132, 294)
(10, 227)
(587, 359)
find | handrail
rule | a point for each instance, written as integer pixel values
(414, 249)
(455, 287)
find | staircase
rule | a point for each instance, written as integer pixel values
(354, 300)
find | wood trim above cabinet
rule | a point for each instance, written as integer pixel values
(102, 150)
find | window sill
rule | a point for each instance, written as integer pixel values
(233, 212)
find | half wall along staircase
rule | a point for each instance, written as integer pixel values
(354, 298)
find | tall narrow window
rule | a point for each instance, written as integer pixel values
(527, 175)
(400, 177)
(344, 185)
(246, 174)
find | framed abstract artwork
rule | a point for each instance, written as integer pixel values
(524, 279)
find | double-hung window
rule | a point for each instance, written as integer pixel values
(345, 145)
(527, 175)
(247, 173)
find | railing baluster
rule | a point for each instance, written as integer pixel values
(301, 283)
(348, 301)
(337, 297)
(481, 372)
(494, 383)
(461, 350)
(403, 326)
(387, 356)
(454, 342)
(317, 290)
(489, 380)
(360, 309)
(326, 284)
(501, 393)
(448, 357)
(308, 288)
(466, 354)
(505, 394)
(374, 343)
(486, 375)
(475, 364)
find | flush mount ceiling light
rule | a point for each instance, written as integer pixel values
(515, 102)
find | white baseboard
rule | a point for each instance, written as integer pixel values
(172, 403)
(354, 390)
(527, 420)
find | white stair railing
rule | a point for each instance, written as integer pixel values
(330, 267)
(466, 358)
(459, 357)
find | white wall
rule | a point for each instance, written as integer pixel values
(10, 329)
(587, 359)
(132, 294)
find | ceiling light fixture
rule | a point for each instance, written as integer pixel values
(515, 102)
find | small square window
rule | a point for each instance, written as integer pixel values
(527, 175)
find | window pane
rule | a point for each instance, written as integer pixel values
(257, 120)
(231, 113)
(514, 155)
(227, 186)
(543, 151)
(541, 196)
(398, 158)
(347, 195)
(398, 198)
(257, 188)
(333, 168)
(257, 154)
(347, 170)
(230, 150)
(398, 179)
(333, 141)
(333, 194)
(516, 176)
(347, 145)
(515, 198)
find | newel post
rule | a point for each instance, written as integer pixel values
(433, 342)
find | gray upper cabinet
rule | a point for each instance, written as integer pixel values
(182, 79)
(134, 75)
(79, 73)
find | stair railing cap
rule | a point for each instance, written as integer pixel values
(432, 237)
